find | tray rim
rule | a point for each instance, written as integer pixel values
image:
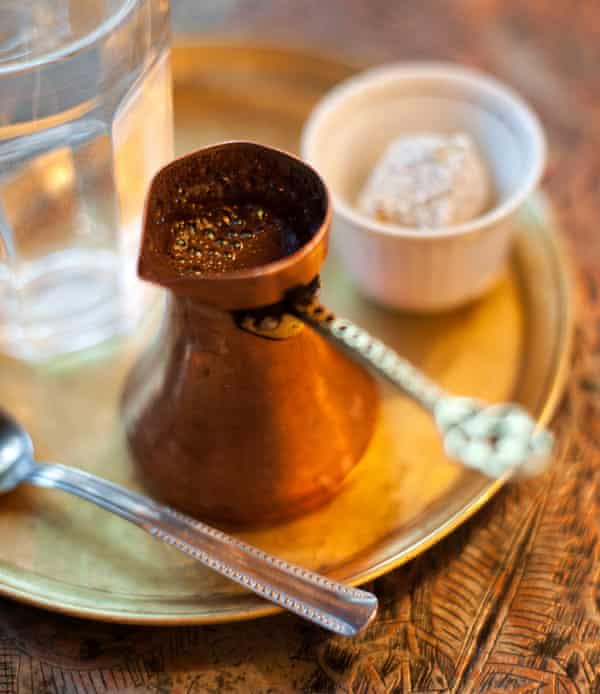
(567, 289)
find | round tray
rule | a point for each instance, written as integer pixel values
(61, 553)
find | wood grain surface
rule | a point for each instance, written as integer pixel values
(511, 601)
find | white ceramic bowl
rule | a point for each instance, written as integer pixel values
(348, 131)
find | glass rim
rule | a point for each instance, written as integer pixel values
(53, 56)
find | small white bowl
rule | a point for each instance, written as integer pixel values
(347, 133)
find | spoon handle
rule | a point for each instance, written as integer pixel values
(334, 606)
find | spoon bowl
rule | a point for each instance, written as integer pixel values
(16, 453)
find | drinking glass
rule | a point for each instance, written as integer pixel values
(85, 121)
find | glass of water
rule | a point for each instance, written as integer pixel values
(85, 121)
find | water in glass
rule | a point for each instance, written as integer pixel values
(85, 121)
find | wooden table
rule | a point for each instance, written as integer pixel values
(511, 601)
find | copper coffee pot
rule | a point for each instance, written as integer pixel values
(239, 411)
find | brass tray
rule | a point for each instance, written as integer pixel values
(64, 554)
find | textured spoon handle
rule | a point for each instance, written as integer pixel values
(334, 606)
(494, 439)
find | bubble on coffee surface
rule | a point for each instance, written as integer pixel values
(225, 237)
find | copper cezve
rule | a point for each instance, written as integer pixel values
(223, 423)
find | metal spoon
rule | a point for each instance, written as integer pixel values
(334, 606)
